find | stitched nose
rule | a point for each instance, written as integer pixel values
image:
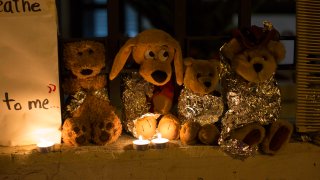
(207, 84)
(86, 72)
(257, 67)
(159, 76)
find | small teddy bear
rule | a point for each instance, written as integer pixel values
(89, 116)
(148, 94)
(252, 94)
(200, 105)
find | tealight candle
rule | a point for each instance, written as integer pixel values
(45, 146)
(141, 144)
(160, 142)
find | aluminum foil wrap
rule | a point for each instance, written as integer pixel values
(238, 149)
(247, 103)
(78, 98)
(201, 108)
(135, 97)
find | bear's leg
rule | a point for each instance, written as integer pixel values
(251, 134)
(76, 133)
(278, 134)
(169, 127)
(209, 134)
(107, 130)
(189, 133)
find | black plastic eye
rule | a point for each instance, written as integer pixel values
(210, 75)
(90, 51)
(264, 58)
(165, 54)
(80, 53)
(151, 54)
(198, 75)
(249, 58)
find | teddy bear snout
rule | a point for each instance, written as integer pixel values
(159, 76)
(207, 84)
(86, 72)
(258, 67)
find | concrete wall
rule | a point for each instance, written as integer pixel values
(296, 161)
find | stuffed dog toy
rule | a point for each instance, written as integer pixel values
(251, 92)
(200, 105)
(154, 51)
(89, 116)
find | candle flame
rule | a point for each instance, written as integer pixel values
(159, 136)
(140, 138)
(44, 143)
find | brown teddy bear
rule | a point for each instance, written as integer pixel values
(252, 94)
(89, 117)
(148, 94)
(200, 105)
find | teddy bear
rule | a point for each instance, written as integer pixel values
(89, 118)
(200, 104)
(252, 94)
(148, 94)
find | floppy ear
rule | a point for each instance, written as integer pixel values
(178, 61)
(231, 48)
(277, 49)
(121, 58)
(188, 61)
(216, 63)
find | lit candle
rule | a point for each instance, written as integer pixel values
(45, 146)
(141, 144)
(160, 142)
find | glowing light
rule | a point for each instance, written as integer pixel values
(141, 144)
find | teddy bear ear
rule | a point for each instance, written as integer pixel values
(231, 48)
(188, 61)
(177, 60)
(121, 58)
(277, 49)
(217, 65)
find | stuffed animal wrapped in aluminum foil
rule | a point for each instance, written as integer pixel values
(200, 105)
(148, 93)
(249, 62)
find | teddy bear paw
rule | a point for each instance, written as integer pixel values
(209, 134)
(75, 133)
(189, 133)
(107, 132)
(277, 135)
(251, 134)
(169, 127)
(146, 126)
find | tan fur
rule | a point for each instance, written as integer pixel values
(169, 127)
(146, 126)
(242, 60)
(164, 48)
(209, 134)
(208, 71)
(155, 51)
(94, 121)
(245, 62)
(198, 73)
(189, 132)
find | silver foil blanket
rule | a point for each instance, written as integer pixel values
(247, 103)
(135, 97)
(201, 108)
(78, 98)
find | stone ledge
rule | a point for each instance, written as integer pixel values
(120, 161)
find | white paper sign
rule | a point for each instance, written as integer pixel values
(29, 77)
